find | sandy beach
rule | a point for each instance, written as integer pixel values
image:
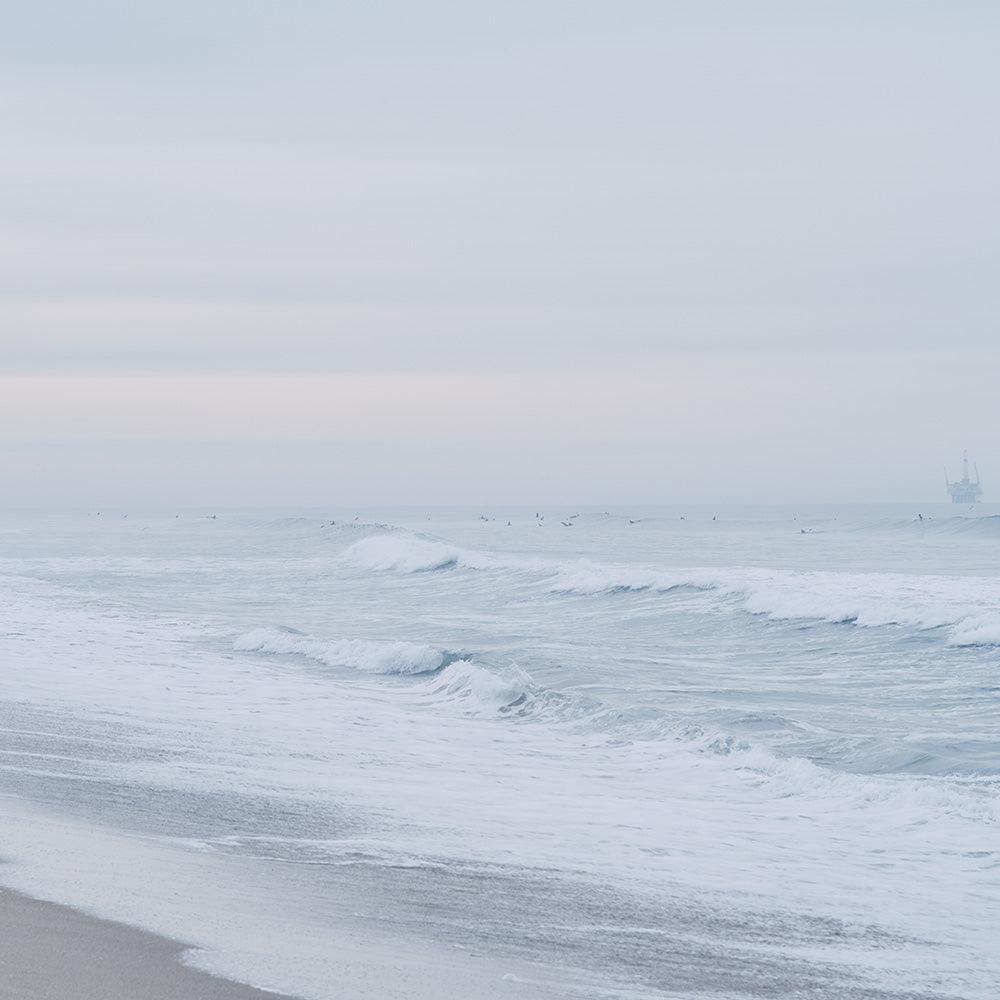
(50, 952)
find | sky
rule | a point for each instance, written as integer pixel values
(647, 251)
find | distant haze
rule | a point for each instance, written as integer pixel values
(436, 252)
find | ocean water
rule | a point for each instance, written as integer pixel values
(667, 752)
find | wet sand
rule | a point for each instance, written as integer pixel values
(49, 952)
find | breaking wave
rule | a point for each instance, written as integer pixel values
(441, 679)
(659, 737)
(412, 554)
(361, 654)
(483, 691)
(965, 609)
(445, 676)
(589, 579)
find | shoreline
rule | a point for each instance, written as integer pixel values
(49, 952)
(201, 926)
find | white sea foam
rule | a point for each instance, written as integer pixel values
(406, 553)
(966, 609)
(409, 554)
(659, 751)
(484, 691)
(361, 654)
(478, 689)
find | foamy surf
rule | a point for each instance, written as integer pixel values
(360, 654)
(656, 717)
(408, 553)
(966, 609)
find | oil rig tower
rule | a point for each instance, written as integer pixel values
(966, 490)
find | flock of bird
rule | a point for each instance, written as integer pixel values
(539, 519)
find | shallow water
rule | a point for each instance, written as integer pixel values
(740, 752)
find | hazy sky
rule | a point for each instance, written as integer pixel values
(308, 252)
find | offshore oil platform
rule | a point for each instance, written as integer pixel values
(965, 490)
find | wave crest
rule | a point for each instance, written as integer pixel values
(483, 691)
(588, 579)
(963, 608)
(367, 655)
(412, 554)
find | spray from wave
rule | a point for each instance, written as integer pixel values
(482, 691)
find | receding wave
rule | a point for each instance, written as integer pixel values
(367, 655)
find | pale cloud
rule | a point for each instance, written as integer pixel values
(672, 233)
(698, 430)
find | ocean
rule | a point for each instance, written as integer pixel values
(685, 752)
